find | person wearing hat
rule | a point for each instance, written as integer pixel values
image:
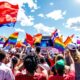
(64, 72)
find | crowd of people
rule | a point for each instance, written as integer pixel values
(28, 63)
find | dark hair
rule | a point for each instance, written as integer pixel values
(59, 57)
(42, 60)
(17, 55)
(48, 62)
(2, 55)
(53, 70)
(60, 72)
(38, 49)
(30, 63)
(14, 61)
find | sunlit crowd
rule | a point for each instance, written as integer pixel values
(33, 63)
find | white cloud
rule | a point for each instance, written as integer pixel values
(73, 23)
(51, 3)
(19, 30)
(41, 28)
(41, 15)
(77, 1)
(22, 17)
(32, 10)
(56, 15)
(30, 3)
(25, 20)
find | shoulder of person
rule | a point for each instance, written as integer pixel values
(71, 75)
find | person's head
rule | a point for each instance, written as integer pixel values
(53, 70)
(59, 57)
(14, 61)
(31, 63)
(38, 50)
(60, 67)
(74, 51)
(2, 56)
(72, 48)
(42, 60)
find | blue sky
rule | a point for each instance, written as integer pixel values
(44, 16)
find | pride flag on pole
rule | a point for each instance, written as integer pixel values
(58, 44)
(12, 39)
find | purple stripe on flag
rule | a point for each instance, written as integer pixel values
(1, 42)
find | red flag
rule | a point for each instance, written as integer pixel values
(8, 12)
(29, 39)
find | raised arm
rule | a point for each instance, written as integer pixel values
(67, 54)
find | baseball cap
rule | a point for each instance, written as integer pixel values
(60, 64)
(72, 46)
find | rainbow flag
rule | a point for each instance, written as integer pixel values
(12, 39)
(59, 44)
(61, 38)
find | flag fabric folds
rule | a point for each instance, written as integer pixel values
(12, 39)
(19, 44)
(54, 35)
(61, 38)
(8, 13)
(25, 43)
(37, 38)
(29, 39)
(68, 40)
(11, 24)
(59, 44)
